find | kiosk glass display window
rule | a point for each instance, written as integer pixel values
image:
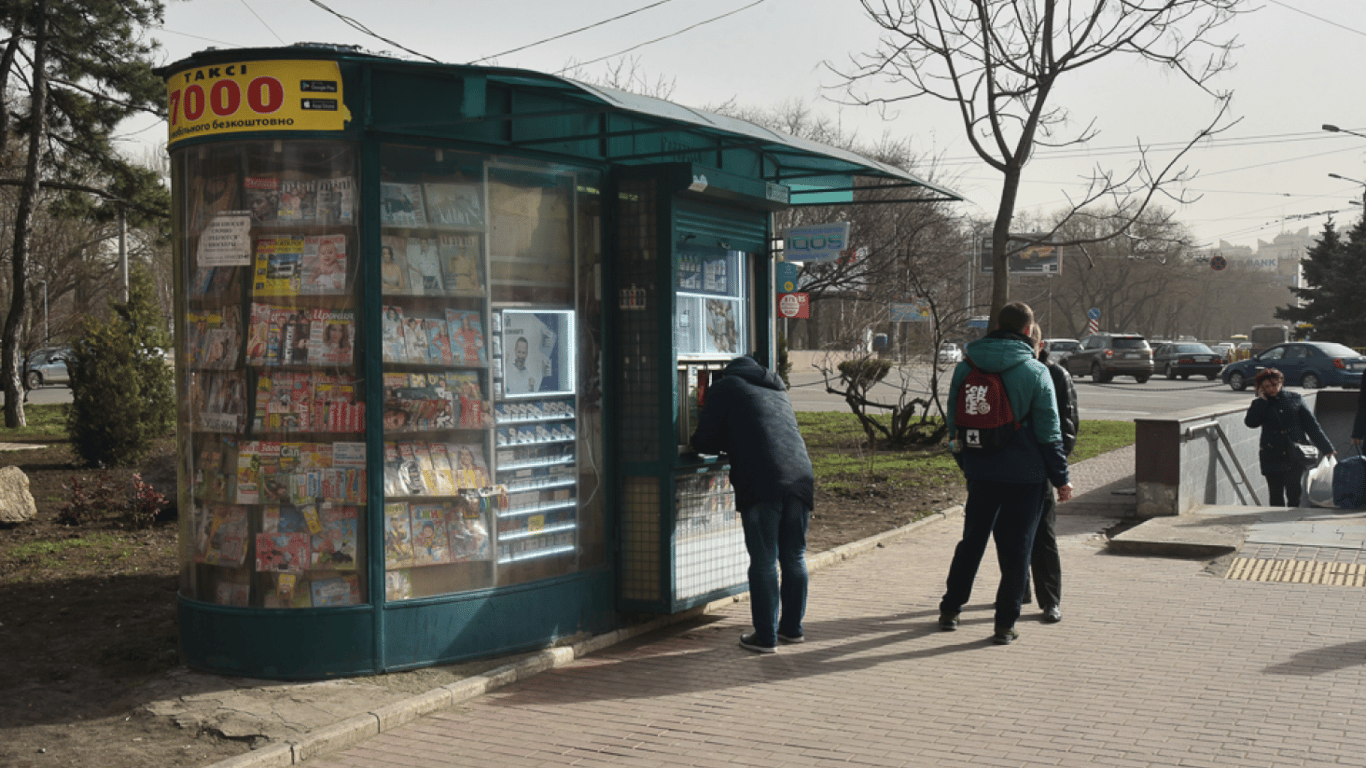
(711, 311)
(271, 385)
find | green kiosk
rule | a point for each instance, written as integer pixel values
(439, 335)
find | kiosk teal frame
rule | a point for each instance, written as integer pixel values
(705, 176)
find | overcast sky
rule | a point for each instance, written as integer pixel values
(1302, 64)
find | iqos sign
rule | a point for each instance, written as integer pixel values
(821, 242)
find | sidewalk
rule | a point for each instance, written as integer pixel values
(1158, 662)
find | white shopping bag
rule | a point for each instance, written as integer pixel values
(1320, 483)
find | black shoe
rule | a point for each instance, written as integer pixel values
(1005, 636)
(748, 643)
(1052, 615)
(948, 621)
(791, 639)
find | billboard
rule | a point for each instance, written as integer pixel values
(1027, 255)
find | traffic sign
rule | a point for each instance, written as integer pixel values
(1218, 262)
(1093, 313)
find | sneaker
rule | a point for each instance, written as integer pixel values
(1052, 615)
(793, 639)
(748, 643)
(948, 621)
(1005, 636)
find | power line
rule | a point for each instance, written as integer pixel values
(247, 5)
(572, 32)
(658, 39)
(1318, 18)
(362, 28)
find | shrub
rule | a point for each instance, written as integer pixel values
(122, 397)
(863, 373)
(135, 503)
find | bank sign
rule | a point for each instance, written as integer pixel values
(255, 96)
(816, 243)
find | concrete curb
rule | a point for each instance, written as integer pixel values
(354, 730)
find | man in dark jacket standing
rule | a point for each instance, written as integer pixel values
(1045, 564)
(748, 417)
(1005, 489)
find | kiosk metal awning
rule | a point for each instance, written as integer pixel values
(541, 112)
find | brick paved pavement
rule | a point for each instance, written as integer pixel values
(1157, 662)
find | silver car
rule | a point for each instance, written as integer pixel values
(46, 366)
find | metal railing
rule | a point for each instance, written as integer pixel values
(1228, 451)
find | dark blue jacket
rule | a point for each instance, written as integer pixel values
(748, 417)
(1035, 454)
(1069, 413)
(1284, 419)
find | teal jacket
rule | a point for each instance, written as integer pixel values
(1036, 453)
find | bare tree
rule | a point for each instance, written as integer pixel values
(999, 62)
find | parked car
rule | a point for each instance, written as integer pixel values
(1223, 349)
(46, 366)
(1187, 359)
(1060, 349)
(949, 353)
(1310, 364)
(1106, 355)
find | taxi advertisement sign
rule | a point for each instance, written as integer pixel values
(255, 96)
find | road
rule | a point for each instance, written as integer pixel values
(45, 395)
(1121, 400)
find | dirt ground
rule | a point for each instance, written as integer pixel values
(87, 620)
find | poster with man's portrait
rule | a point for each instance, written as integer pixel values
(537, 353)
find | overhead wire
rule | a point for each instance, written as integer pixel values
(253, 12)
(572, 32)
(356, 25)
(664, 37)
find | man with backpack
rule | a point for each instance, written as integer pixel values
(1004, 433)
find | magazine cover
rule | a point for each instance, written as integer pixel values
(424, 266)
(441, 463)
(258, 334)
(438, 341)
(261, 194)
(401, 205)
(248, 472)
(210, 195)
(393, 481)
(298, 202)
(282, 552)
(414, 341)
(460, 264)
(334, 547)
(225, 538)
(235, 593)
(391, 335)
(456, 205)
(324, 265)
(398, 536)
(430, 541)
(224, 403)
(467, 337)
(277, 265)
(468, 531)
(334, 333)
(336, 200)
(393, 265)
(397, 585)
(467, 461)
(338, 589)
(415, 480)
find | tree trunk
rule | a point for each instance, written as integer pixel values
(1000, 233)
(10, 364)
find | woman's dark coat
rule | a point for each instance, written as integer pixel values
(1284, 419)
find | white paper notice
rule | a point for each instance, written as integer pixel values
(226, 241)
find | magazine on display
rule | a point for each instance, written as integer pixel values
(336, 201)
(455, 205)
(424, 266)
(334, 546)
(261, 195)
(438, 341)
(401, 205)
(323, 268)
(278, 265)
(393, 265)
(467, 529)
(391, 334)
(211, 195)
(460, 264)
(467, 336)
(430, 541)
(398, 535)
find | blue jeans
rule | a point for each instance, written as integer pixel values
(1010, 513)
(775, 532)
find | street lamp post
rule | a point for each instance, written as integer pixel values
(1354, 181)
(1334, 129)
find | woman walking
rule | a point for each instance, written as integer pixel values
(1284, 420)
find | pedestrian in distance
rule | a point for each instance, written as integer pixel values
(1045, 564)
(747, 416)
(1359, 423)
(1006, 483)
(1284, 420)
